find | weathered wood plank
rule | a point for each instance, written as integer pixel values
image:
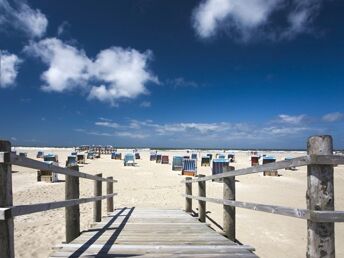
(35, 164)
(285, 211)
(33, 208)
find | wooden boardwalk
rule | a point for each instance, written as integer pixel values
(131, 232)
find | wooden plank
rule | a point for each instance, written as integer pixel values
(35, 164)
(109, 190)
(280, 210)
(229, 211)
(33, 208)
(327, 216)
(119, 237)
(6, 200)
(202, 204)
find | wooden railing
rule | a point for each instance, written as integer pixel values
(71, 202)
(320, 214)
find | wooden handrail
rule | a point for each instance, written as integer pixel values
(35, 164)
(19, 210)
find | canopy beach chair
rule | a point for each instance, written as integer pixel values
(46, 175)
(129, 159)
(137, 155)
(266, 160)
(177, 163)
(219, 166)
(71, 161)
(189, 167)
(205, 161)
(40, 154)
(90, 155)
(164, 159)
(158, 158)
(81, 158)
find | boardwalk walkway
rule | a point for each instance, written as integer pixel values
(134, 232)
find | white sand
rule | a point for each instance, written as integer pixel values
(156, 185)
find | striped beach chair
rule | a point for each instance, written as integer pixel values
(189, 167)
(177, 163)
(219, 166)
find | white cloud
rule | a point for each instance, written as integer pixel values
(62, 28)
(125, 72)
(333, 117)
(9, 66)
(120, 73)
(288, 119)
(107, 124)
(247, 19)
(134, 135)
(22, 17)
(145, 104)
(68, 66)
(181, 82)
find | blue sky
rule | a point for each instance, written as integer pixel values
(211, 73)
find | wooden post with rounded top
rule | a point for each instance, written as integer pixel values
(229, 211)
(109, 190)
(97, 206)
(320, 197)
(201, 204)
(188, 191)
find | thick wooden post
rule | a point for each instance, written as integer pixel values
(6, 200)
(320, 197)
(188, 191)
(202, 204)
(229, 211)
(72, 213)
(109, 190)
(97, 207)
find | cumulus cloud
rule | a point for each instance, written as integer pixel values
(247, 19)
(9, 66)
(119, 72)
(68, 67)
(288, 119)
(333, 117)
(20, 16)
(107, 124)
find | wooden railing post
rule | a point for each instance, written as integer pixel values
(109, 190)
(97, 207)
(201, 204)
(6, 200)
(320, 197)
(72, 213)
(229, 211)
(188, 191)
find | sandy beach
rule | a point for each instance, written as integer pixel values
(153, 185)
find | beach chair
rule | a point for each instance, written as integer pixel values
(46, 175)
(118, 155)
(113, 155)
(152, 156)
(129, 159)
(90, 155)
(71, 161)
(255, 160)
(177, 163)
(231, 157)
(164, 159)
(267, 160)
(137, 155)
(80, 158)
(290, 168)
(205, 161)
(40, 154)
(219, 166)
(189, 167)
(158, 158)
(22, 154)
(194, 156)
